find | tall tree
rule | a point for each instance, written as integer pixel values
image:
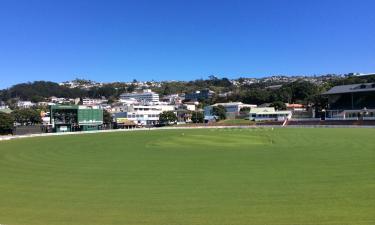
(278, 105)
(219, 112)
(107, 117)
(27, 116)
(197, 117)
(6, 123)
(167, 117)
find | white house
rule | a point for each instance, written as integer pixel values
(172, 99)
(25, 104)
(190, 107)
(269, 114)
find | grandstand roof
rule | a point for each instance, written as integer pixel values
(262, 110)
(352, 88)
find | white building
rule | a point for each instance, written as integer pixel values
(91, 101)
(129, 101)
(269, 114)
(232, 109)
(45, 103)
(146, 96)
(140, 114)
(190, 107)
(25, 104)
(64, 100)
(3, 105)
(173, 99)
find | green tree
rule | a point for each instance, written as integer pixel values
(6, 123)
(220, 112)
(319, 103)
(107, 117)
(256, 96)
(131, 88)
(245, 110)
(197, 117)
(302, 91)
(278, 105)
(26, 116)
(167, 117)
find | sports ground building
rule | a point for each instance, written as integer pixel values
(351, 102)
(66, 118)
(269, 114)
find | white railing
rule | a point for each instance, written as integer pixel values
(368, 118)
(342, 118)
(305, 119)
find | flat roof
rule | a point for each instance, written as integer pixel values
(64, 106)
(262, 110)
(233, 103)
(274, 113)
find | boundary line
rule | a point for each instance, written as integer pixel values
(10, 137)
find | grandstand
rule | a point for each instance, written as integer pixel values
(66, 118)
(351, 102)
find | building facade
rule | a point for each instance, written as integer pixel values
(269, 114)
(67, 118)
(140, 115)
(25, 104)
(146, 96)
(92, 101)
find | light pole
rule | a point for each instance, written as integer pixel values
(196, 113)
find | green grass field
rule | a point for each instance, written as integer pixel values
(190, 177)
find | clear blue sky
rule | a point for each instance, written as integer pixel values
(181, 40)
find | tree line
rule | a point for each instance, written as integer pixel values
(300, 91)
(28, 116)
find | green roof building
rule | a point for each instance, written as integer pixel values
(67, 118)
